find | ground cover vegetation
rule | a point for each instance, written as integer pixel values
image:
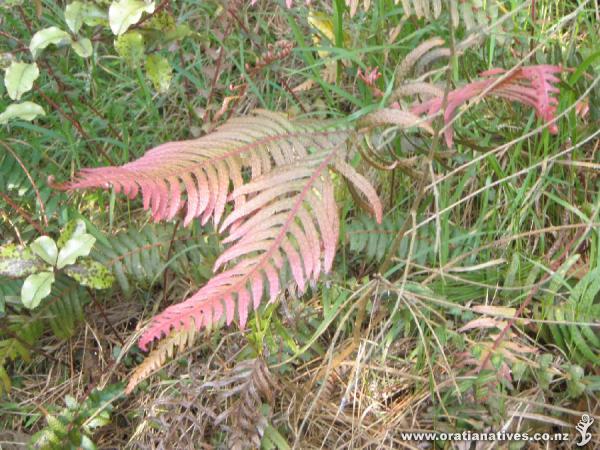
(288, 224)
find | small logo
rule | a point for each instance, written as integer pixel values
(583, 426)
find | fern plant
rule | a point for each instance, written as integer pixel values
(73, 426)
(283, 223)
(372, 240)
(580, 341)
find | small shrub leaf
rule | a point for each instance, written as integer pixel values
(74, 15)
(19, 78)
(159, 72)
(35, 288)
(45, 248)
(91, 273)
(17, 261)
(130, 47)
(74, 248)
(83, 47)
(124, 13)
(47, 36)
(24, 110)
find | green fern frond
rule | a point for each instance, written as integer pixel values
(65, 310)
(583, 305)
(10, 290)
(372, 240)
(142, 256)
(16, 340)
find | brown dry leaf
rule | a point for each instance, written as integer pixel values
(483, 323)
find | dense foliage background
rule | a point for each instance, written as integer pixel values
(473, 305)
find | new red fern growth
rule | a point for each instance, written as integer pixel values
(533, 86)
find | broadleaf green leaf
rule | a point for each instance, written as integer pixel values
(74, 15)
(74, 248)
(83, 47)
(86, 443)
(92, 14)
(124, 13)
(71, 402)
(45, 248)
(19, 78)
(35, 288)
(159, 72)
(56, 425)
(74, 227)
(24, 110)
(47, 36)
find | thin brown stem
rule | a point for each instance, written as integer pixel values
(213, 84)
(293, 94)
(107, 320)
(33, 185)
(73, 121)
(22, 213)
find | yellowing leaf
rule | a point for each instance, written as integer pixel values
(159, 72)
(124, 13)
(503, 311)
(35, 288)
(25, 110)
(17, 261)
(324, 25)
(75, 227)
(130, 47)
(19, 78)
(91, 273)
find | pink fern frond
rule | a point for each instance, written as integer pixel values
(283, 227)
(533, 86)
(290, 223)
(205, 169)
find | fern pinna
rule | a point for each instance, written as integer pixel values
(284, 216)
